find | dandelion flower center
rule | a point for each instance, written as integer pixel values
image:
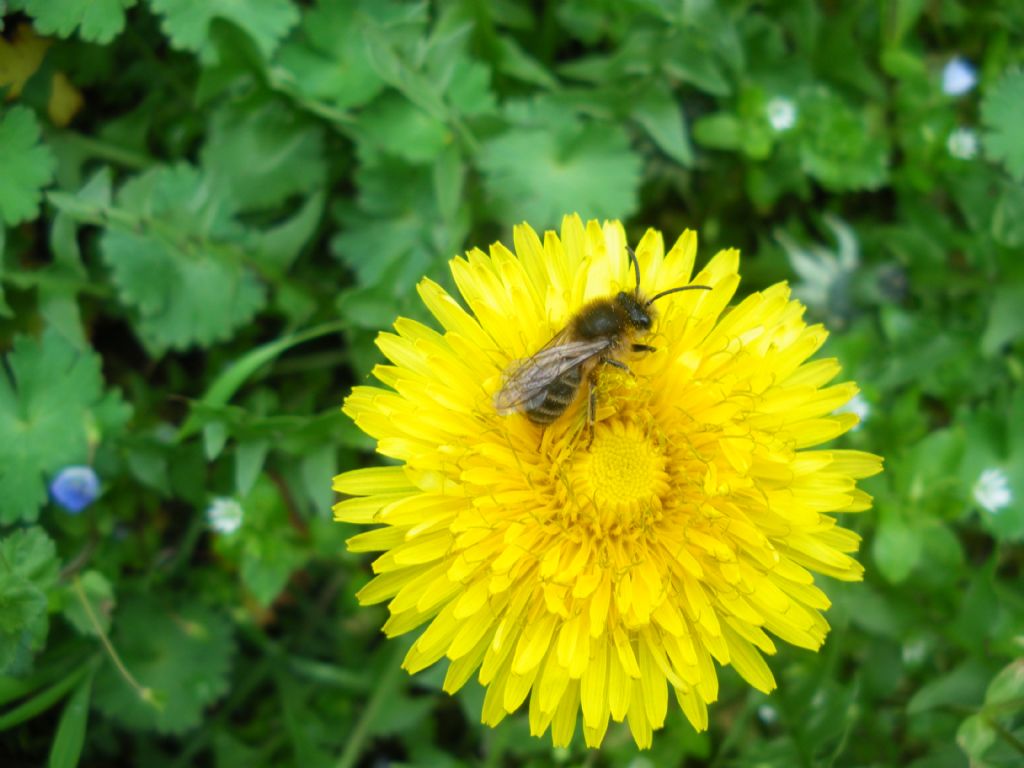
(621, 476)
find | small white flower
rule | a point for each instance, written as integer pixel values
(914, 651)
(992, 490)
(781, 113)
(958, 77)
(225, 515)
(859, 405)
(767, 714)
(962, 144)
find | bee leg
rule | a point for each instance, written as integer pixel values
(617, 364)
(644, 348)
(591, 405)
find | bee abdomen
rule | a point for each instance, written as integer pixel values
(555, 398)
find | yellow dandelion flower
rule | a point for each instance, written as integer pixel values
(595, 567)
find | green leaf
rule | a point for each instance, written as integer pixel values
(398, 220)
(449, 180)
(23, 622)
(721, 130)
(46, 400)
(960, 687)
(657, 110)
(28, 571)
(538, 176)
(215, 435)
(70, 736)
(45, 698)
(403, 712)
(27, 165)
(1007, 687)
(233, 377)
(975, 735)
(1002, 114)
(230, 751)
(97, 591)
(905, 15)
(692, 59)
(148, 465)
(838, 145)
(395, 125)
(468, 87)
(59, 308)
(182, 658)
(187, 22)
(1005, 319)
(993, 736)
(99, 21)
(95, 194)
(390, 64)
(333, 63)
(1008, 217)
(5, 310)
(30, 554)
(177, 260)
(258, 154)
(249, 458)
(267, 547)
(318, 467)
(515, 62)
(897, 548)
(266, 569)
(280, 245)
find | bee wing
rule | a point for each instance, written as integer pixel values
(528, 379)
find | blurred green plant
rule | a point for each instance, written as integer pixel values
(198, 248)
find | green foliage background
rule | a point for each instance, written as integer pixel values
(193, 271)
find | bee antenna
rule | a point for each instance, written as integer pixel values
(636, 265)
(677, 290)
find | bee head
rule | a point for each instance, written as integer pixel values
(637, 313)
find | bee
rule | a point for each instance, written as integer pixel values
(544, 385)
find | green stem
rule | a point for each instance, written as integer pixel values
(382, 692)
(104, 150)
(145, 694)
(1006, 735)
(47, 279)
(1009, 705)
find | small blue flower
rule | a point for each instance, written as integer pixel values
(958, 77)
(75, 488)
